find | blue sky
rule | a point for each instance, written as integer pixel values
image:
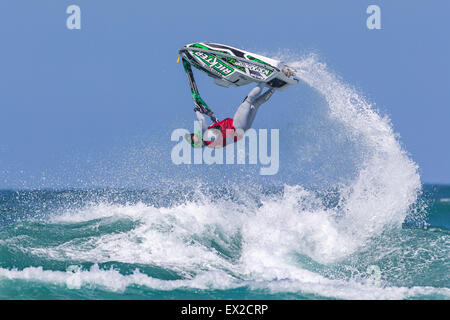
(71, 97)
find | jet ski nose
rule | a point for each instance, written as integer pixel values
(288, 71)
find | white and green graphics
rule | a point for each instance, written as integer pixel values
(214, 63)
(236, 67)
(255, 70)
(259, 71)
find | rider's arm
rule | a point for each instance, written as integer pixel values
(202, 120)
(207, 134)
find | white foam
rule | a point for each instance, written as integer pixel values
(112, 280)
(167, 237)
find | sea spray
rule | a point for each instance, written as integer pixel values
(388, 182)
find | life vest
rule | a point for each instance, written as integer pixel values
(227, 132)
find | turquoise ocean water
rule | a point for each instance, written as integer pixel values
(119, 244)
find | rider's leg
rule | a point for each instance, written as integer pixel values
(246, 112)
(254, 93)
(258, 102)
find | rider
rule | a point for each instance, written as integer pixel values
(215, 136)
